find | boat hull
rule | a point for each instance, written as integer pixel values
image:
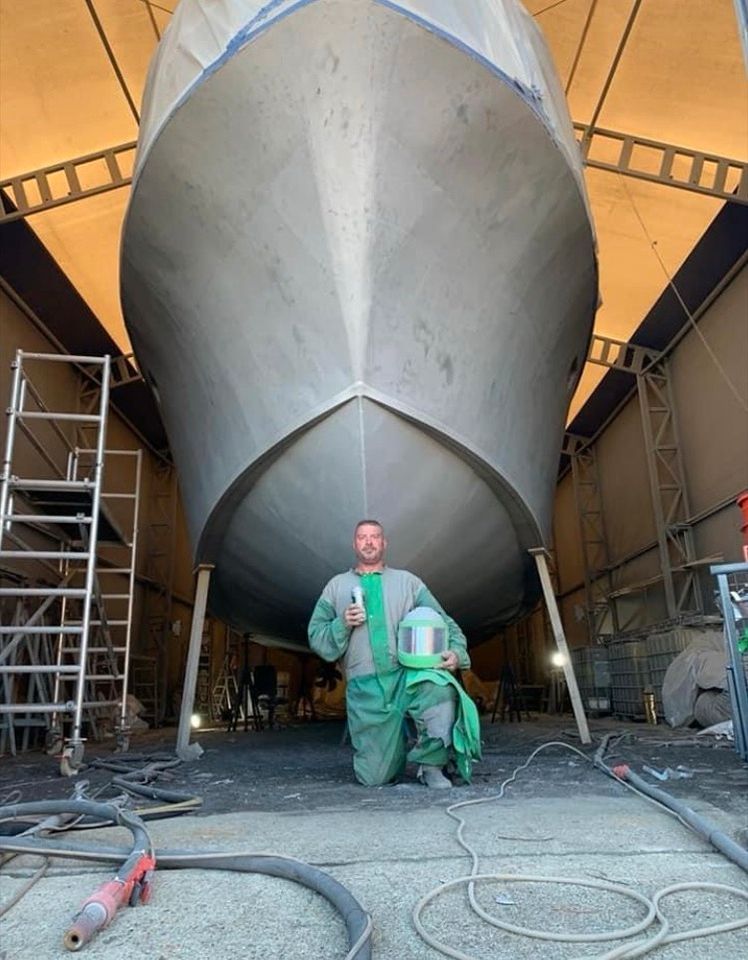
(359, 271)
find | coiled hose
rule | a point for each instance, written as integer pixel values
(357, 921)
(627, 951)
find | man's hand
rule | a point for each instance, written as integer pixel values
(449, 661)
(354, 615)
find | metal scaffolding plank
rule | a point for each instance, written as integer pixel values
(710, 174)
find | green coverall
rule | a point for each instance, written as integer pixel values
(377, 697)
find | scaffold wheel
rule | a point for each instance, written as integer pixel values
(71, 760)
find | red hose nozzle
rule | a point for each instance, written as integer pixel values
(99, 910)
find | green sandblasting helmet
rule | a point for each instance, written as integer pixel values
(421, 639)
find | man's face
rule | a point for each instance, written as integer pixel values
(369, 544)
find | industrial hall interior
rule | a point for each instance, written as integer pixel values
(374, 479)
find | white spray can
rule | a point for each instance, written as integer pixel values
(358, 598)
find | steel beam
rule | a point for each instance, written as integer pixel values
(616, 355)
(602, 617)
(155, 625)
(667, 482)
(696, 170)
(706, 173)
(122, 372)
(668, 490)
(61, 183)
(620, 354)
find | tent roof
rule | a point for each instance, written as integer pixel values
(680, 80)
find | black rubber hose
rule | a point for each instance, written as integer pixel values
(15, 828)
(127, 757)
(717, 838)
(85, 808)
(124, 764)
(154, 793)
(136, 781)
(357, 921)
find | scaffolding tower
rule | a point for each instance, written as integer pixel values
(67, 553)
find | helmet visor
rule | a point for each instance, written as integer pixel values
(422, 639)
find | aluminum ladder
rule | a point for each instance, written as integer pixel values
(47, 504)
(110, 638)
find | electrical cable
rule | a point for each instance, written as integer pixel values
(551, 6)
(152, 18)
(157, 6)
(623, 952)
(671, 283)
(112, 59)
(580, 46)
(357, 921)
(590, 129)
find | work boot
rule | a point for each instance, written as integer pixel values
(431, 776)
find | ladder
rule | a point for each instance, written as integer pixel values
(52, 519)
(145, 685)
(225, 693)
(110, 640)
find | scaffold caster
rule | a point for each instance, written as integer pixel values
(53, 742)
(122, 741)
(71, 760)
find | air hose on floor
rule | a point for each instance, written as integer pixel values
(137, 781)
(687, 816)
(132, 881)
(627, 951)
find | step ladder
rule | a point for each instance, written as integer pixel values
(145, 685)
(59, 657)
(225, 693)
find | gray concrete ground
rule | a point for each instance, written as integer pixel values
(291, 792)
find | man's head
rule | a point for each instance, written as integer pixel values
(369, 544)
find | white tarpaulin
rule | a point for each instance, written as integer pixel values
(203, 34)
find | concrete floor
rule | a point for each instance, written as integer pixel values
(291, 792)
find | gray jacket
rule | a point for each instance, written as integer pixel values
(332, 640)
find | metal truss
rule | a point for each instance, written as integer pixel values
(679, 566)
(668, 489)
(602, 617)
(665, 163)
(65, 182)
(620, 355)
(525, 650)
(707, 173)
(123, 371)
(149, 671)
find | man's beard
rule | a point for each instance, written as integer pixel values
(374, 556)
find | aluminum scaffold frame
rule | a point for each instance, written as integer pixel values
(67, 506)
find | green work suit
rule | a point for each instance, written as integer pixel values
(378, 698)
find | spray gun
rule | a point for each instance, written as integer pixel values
(358, 598)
